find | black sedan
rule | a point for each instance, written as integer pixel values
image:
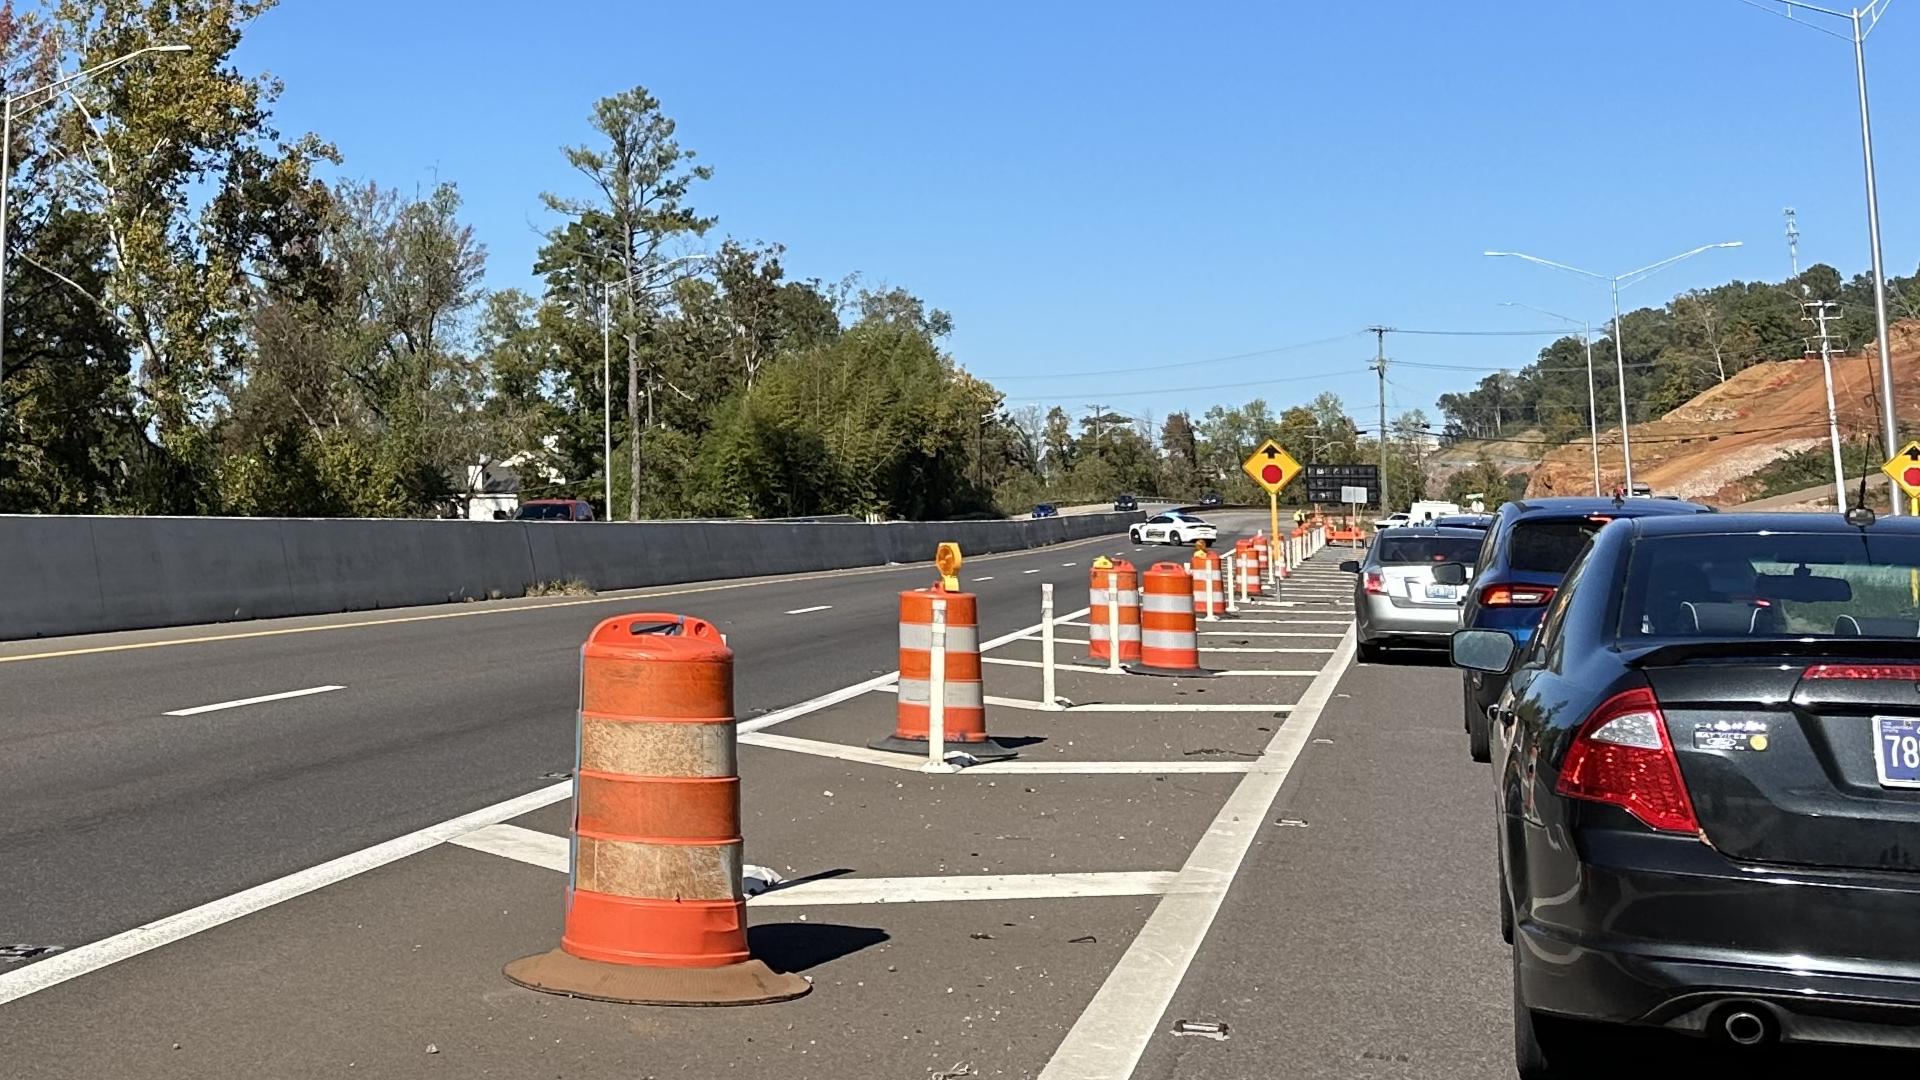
(1707, 770)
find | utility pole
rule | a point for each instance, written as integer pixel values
(1380, 366)
(1099, 425)
(1819, 311)
(1793, 242)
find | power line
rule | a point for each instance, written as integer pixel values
(1195, 389)
(1560, 332)
(1182, 364)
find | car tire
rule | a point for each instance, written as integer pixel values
(1547, 1047)
(1133, 535)
(1506, 905)
(1176, 539)
(1371, 653)
(1479, 739)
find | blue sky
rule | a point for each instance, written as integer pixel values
(1093, 187)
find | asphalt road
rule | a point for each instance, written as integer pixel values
(113, 813)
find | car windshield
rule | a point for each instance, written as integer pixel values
(1418, 550)
(1550, 546)
(545, 512)
(1779, 584)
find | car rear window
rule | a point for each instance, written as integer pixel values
(545, 512)
(1550, 546)
(1767, 585)
(1410, 550)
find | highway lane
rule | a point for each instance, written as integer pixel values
(116, 813)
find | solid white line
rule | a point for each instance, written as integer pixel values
(916, 890)
(515, 842)
(1269, 633)
(61, 967)
(1106, 1042)
(551, 852)
(804, 610)
(219, 705)
(839, 751)
(781, 716)
(1116, 706)
(862, 755)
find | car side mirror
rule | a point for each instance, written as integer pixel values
(1351, 566)
(1450, 573)
(1491, 651)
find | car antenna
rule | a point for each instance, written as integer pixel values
(1861, 515)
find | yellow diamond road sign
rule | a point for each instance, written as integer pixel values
(1271, 467)
(1904, 469)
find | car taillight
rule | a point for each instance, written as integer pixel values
(1622, 755)
(1516, 595)
(1865, 672)
(1375, 584)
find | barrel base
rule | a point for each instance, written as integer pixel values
(748, 983)
(987, 750)
(1169, 673)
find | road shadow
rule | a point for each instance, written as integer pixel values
(1427, 658)
(800, 946)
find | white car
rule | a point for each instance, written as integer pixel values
(1173, 528)
(1393, 521)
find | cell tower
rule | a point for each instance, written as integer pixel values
(1793, 240)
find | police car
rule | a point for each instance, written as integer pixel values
(1173, 527)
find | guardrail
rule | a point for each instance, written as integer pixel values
(78, 575)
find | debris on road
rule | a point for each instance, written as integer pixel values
(755, 880)
(1087, 940)
(13, 954)
(1291, 823)
(1205, 1029)
(959, 1070)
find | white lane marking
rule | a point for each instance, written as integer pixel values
(862, 755)
(1269, 633)
(550, 852)
(1107, 1040)
(1030, 571)
(61, 967)
(522, 844)
(238, 702)
(984, 577)
(1069, 564)
(1115, 706)
(804, 610)
(1011, 662)
(1260, 649)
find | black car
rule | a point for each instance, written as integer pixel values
(1707, 777)
(1524, 556)
(1125, 502)
(1212, 498)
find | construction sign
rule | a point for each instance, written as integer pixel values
(1271, 467)
(947, 559)
(1904, 470)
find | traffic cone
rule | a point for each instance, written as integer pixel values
(1113, 581)
(1169, 639)
(964, 712)
(655, 910)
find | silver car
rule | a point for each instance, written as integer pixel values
(1395, 599)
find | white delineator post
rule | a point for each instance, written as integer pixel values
(1227, 575)
(937, 695)
(1113, 622)
(1047, 690)
(1207, 588)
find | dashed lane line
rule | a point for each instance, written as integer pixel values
(805, 610)
(261, 700)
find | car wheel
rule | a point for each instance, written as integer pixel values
(1133, 535)
(1479, 747)
(1176, 539)
(1546, 1047)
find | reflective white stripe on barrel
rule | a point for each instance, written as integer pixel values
(1128, 597)
(1161, 602)
(960, 639)
(963, 695)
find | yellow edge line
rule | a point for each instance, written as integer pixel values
(632, 594)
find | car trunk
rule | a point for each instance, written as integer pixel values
(1409, 586)
(1778, 748)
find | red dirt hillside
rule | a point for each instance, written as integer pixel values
(1710, 448)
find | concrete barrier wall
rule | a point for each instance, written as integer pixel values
(79, 575)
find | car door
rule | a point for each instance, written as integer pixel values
(1156, 530)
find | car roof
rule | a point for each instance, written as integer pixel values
(1586, 505)
(1723, 524)
(1436, 530)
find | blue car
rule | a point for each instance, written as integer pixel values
(1045, 510)
(1526, 553)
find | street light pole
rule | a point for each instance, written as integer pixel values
(1861, 22)
(1593, 408)
(1616, 281)
(6, 159)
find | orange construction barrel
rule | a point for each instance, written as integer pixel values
(964, 718)
(1169, 638)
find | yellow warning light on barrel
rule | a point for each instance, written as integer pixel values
(1102, 563)
(947, 559)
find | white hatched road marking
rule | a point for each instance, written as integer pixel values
(885, 759)
(263, 698)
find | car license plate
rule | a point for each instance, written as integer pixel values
(1896, 742)
(1443, 592)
